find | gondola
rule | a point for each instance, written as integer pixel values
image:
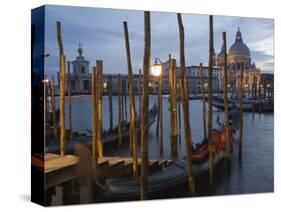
(110, 137)
(248, 105)
(173, 175)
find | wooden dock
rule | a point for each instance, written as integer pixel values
(61, 169)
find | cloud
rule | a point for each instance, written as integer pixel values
(101, 33)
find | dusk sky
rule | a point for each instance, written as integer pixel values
(101, 33)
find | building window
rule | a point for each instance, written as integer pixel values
(238, 66)
(86, 85)
(83, 69)
(73, 85)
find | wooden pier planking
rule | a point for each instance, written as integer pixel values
(49, 156)
(53, 162)
(60, 169)
(60, 162)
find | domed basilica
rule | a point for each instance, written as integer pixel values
(239, 54)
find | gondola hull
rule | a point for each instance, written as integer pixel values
(160, 185)
(109, 138)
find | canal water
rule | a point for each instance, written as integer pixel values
(253, 175)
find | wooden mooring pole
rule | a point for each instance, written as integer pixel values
(160, 116)
(125, 98)
(179, 111)
(110, 102)
(259, 98)
(140, 96)
(203, 101)
(94, 117)
(210, 100)
(53, 102)
(173, 108)
(145, 105)
(254, 96)
(133, 131)
(185, 108)
(119, 110)
(69, 100)
(158, 109)
(122, 100)
(227, 136)
(241, 111)
(62, 112)
(61, 89)
(99, 65)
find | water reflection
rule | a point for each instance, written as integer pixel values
(254, 174)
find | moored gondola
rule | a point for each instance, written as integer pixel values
(173, 175)
(110, 137)
(249, 105)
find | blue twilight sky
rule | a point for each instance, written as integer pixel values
(101, 33)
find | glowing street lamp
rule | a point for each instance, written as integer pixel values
(45, 80)
(104, 85)
(156, 68)
(205, 85)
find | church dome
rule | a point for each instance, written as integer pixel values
(239, 48)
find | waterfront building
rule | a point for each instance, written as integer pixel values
(239, 54)
(80, 76)
(193, 74)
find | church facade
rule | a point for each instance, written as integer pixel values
(80, 76)
(239, 54)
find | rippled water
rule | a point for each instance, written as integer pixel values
(254, 174)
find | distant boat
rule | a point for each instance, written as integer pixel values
(265, 106)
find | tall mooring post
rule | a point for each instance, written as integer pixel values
(94, 117)
(228, 145)
(241, 111)
(185, 107)
(122, 99)
(61, 89)
(160, 115)
(159, 125)
(53, 102)
(145, 105)
(125, 98)
(140, 96)
(210, 99)
(179, 110)
(110, 102)
(254, 95)
(133, 131)
(120, 110)
(173, 107)
(69, 99)
(99, 65)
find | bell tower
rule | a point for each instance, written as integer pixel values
(80, 82)
(80, 65)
